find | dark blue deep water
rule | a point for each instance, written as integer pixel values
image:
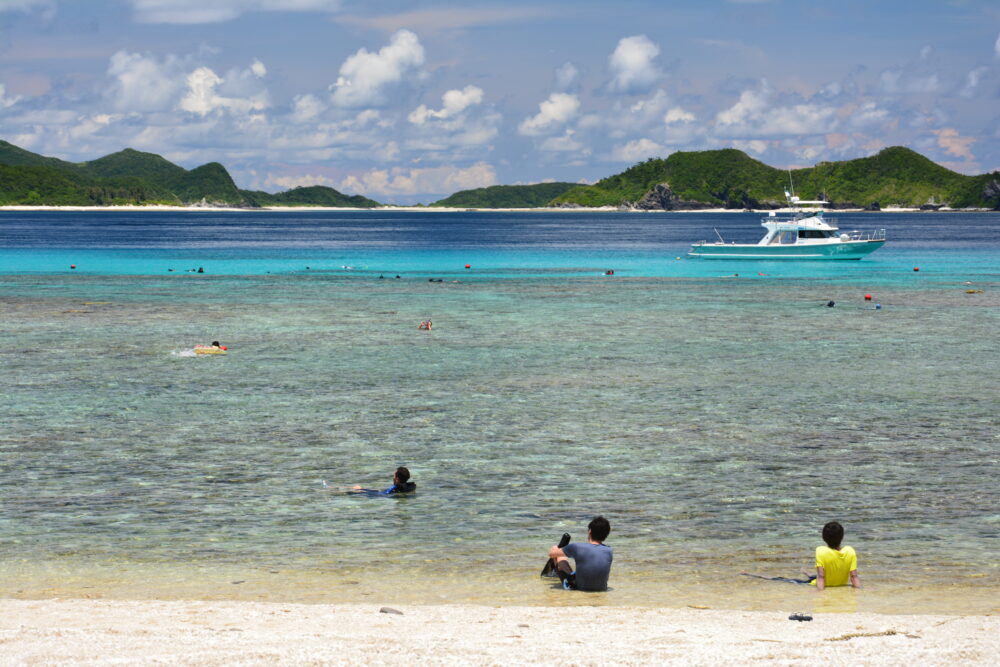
(442, 243)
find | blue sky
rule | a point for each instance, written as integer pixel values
(406, 102)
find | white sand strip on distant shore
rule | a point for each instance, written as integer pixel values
(424, 209)
(214, 633)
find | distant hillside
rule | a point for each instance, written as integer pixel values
(506, 196)
(316, 195)
(133, 177)
(731, 179)
(131, 162)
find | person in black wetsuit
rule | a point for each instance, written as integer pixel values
(400, 484)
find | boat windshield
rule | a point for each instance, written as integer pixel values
(814, 234)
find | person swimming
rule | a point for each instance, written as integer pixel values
(400, 484)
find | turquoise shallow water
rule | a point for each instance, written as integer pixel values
(717, 421)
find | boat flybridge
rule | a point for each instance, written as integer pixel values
(798, 234)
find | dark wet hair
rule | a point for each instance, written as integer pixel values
(599, 528)
(403, 474)
(215, 343)
(833, 534)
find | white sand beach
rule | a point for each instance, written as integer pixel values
(98, 632)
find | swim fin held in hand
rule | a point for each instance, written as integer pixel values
(550, 566)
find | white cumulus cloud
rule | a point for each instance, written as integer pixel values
(677, 115)
(454, 102)
(287, 182)
(22, 5)
(144, 83)
(552, 113)
(364, 76)
(566, 76)
(633, 66)
(421, 180)
(206, 92)
(216, 11)
(753, 116)
(567, 143)
(6, 101)
(756, 146)
(869, 113)
(637, 150)
(305, 108)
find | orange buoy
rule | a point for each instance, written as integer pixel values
(916, 268)
(72, 266)
(468, 266)
(868, 297)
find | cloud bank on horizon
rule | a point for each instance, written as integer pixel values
(413, 106)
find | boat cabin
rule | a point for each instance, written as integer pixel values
(802, 228)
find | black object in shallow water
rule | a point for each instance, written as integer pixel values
(550, 565)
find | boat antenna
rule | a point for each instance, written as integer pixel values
(718, 234)
(791, 188)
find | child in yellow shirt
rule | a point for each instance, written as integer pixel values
(835, 565)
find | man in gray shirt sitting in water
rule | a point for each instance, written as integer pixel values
(593, 559)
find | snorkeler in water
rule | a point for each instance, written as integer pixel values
(400, 484)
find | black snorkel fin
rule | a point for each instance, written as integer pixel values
(550, 566)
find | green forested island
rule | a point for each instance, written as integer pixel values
(727, 178)
(131, 177)
(732, 179)
(507, 196)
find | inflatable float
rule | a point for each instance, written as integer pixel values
(210, 349)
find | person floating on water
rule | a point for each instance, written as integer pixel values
(593, 559)
(214, 348)
(400, 484)
(835, 565)
(426, 325)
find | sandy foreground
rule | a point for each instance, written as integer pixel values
(59, 632)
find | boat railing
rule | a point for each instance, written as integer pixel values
(865, 235)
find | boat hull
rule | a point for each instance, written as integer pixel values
(838, 250)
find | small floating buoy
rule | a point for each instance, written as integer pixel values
(916, 268)
(878, 306)
(868, 297)
(72, 266)
(468, 266)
